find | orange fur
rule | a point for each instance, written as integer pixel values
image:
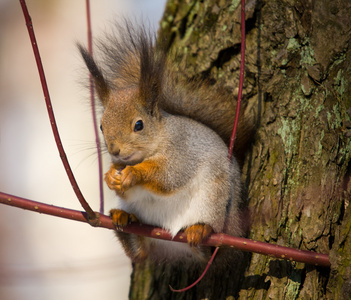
(146, 174)
(196, 233)
(120, 218)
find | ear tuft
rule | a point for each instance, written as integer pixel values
(152, 70)
(100, 83)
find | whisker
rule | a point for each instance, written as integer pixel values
(88, 148)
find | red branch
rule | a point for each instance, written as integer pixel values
(232, 139)
(241, 80)
(93, 110)
(201, 276)
(63, 156)
(215, 240)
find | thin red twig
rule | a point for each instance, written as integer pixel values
(232, 139)
(215, 240)
(93, 110)
(199, 279)
(241, 80)
(63, 156)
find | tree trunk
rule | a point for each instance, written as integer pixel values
(297, 173)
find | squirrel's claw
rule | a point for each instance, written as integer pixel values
(113, 178)
(120, 218)
(120, 180)
(127, 178)
(196, 233)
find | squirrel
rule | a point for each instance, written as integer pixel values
(167, 138)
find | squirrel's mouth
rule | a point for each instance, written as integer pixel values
(131, 159)
(127, 158)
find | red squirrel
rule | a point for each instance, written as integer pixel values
(167, 138)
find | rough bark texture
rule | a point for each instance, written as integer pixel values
(298, 75)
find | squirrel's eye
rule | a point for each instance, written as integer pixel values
(138, 126)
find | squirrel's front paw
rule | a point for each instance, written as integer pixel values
(196, 233)
(113, 178)
(120, 180)
(129, 178)
(120, 218)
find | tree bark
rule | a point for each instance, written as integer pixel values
(297, 173)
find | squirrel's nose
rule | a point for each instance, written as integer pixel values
(114, 149)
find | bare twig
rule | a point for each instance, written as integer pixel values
(93, 110)
(201, 276)
(215, 240)
(232, 139)
(85, 205)
(52, 210)
(241, 80)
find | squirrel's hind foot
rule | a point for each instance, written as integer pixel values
(195, 234)
(120, 218)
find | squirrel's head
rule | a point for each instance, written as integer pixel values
(131, 118)
(131, 130)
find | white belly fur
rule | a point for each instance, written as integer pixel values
(172, 212)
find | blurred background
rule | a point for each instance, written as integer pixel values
(44, 257)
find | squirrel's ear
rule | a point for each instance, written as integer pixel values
(150, 92)
(100, 83)
(152, 71)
